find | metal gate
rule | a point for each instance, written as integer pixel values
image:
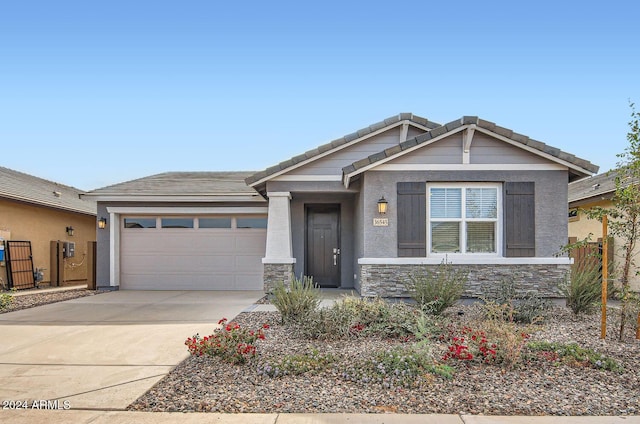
(20, 265)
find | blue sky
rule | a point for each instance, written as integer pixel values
(96, 93)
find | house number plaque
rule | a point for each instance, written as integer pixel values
(380, 222)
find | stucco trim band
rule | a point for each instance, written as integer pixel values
(478, 260)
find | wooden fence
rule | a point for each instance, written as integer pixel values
(590, 252)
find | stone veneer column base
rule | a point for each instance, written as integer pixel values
(389, 280)
(277, 273)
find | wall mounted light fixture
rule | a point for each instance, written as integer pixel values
(382, 205)
(70, 231)
(102, 223)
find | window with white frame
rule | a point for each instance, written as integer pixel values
(463, 218)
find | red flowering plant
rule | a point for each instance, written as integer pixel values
(467, 344)
(230, 342)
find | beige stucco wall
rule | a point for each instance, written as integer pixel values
(41, 225)
(581, 227)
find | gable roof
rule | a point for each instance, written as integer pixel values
(182, 186)
(339, 143)
(578, 168)
(27, 188)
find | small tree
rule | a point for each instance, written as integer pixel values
(625, 211)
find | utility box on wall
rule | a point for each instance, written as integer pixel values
(68, 249)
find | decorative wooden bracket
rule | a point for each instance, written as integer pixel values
(403, 132)
(467, 138)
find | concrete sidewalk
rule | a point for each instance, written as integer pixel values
(113, 417)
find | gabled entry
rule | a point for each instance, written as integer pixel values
(322, 254)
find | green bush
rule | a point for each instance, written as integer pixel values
(5, 301)
(573, 354)
(434, 291)
(401, 366)
(507, 304)
(310, 362)
(358, 317)
(295, 302)
(583, 289)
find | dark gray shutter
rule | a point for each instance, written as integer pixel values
(519, 211)
(412, 219)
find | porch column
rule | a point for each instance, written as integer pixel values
(278, 261)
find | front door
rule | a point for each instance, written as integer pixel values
(323, 245)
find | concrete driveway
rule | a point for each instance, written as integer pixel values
(104, 351)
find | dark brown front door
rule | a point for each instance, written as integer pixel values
(323, 245)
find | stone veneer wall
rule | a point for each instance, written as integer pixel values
(388, 280)
(276, 273)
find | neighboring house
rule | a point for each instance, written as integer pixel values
(469, 192)
(585, 194)
(40, 211)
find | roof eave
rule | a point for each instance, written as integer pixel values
(48, 205)
(172, 198)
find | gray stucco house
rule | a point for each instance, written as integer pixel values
(469, 192)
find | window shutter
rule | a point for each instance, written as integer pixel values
(412, 219)
(519, 211)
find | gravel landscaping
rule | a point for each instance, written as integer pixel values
(38, 298)
(538, 385)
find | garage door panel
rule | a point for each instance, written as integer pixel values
(192, 259)
(251, 264)
(248, 241)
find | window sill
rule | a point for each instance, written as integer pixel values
(475, 260)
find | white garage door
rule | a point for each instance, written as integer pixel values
(192, 253)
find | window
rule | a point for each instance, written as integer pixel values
(573, 215)
(251, 222)
(177, 222)
(139, 223)
(463, 218)
(221, 222)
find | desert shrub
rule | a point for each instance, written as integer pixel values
(296, 301)
(401, 366)
(299, 364)
(488, 342)
(572, 354)
(507, 304)
(434, 291)
(358, 317)
(583, 288)
(5, 301)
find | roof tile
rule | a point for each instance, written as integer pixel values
(521, 138)
(377, 126)
(505, 132)
(486, 124)
(350, 137)
(392, 120)
(361, 163)
(553, 151)
(390, 151)
(466, 120)
(438, 131)
(535, 144)
(348, 169)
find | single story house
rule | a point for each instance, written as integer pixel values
(586, 194)
(359, 212)
(39, 212)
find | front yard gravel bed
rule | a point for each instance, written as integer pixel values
(36, 298)
(540, 388)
